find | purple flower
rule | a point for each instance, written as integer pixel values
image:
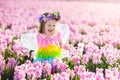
(49, 17)
(41, 18)
(11, 62)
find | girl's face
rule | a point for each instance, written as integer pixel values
(50, 27)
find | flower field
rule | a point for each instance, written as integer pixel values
(94, 43)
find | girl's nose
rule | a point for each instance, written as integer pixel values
(53, 27)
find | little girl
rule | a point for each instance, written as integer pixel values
(49, 43)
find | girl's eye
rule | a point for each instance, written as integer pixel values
(53, 25)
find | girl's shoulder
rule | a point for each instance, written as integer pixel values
(40, 36)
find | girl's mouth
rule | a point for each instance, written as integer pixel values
(50, 30)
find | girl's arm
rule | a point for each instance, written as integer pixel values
(62, 46)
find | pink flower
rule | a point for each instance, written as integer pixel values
(58, 64)
(30, 70)
(56, 77)
(79, 69)
(2, 64)
(76, 59)
(38, 69)
(96, 58)
(80, 47)
(70, 72)
(99, 77)
(46, 69)
(98, 70)
(115, 72)
(72, 50)
(109, 74)
(85, 59)
(99, 74)
(65, 76)
(57, 61)
(19, 75)
(87, 75)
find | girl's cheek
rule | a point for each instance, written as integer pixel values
(55, 31)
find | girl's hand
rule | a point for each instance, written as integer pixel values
(63, 47)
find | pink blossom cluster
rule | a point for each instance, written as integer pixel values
(33, 71)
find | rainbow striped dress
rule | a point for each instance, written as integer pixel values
(48, 48)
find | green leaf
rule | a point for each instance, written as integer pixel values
(23, 59)
(65, 59)
(8, 27)
(103, 63)
(30, 53)
(70, 42)
(48, 77)
(57, 70)
(91, 66)
(6, 54)
(118, 61)
(9, 54)
(81, 62)
(14, 38)
(71, 64)
(118, 46)
(76, 44)
(76, 77)
(40, 78)
(8, 74)
(83, 33)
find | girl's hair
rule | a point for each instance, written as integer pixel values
(42, 22)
